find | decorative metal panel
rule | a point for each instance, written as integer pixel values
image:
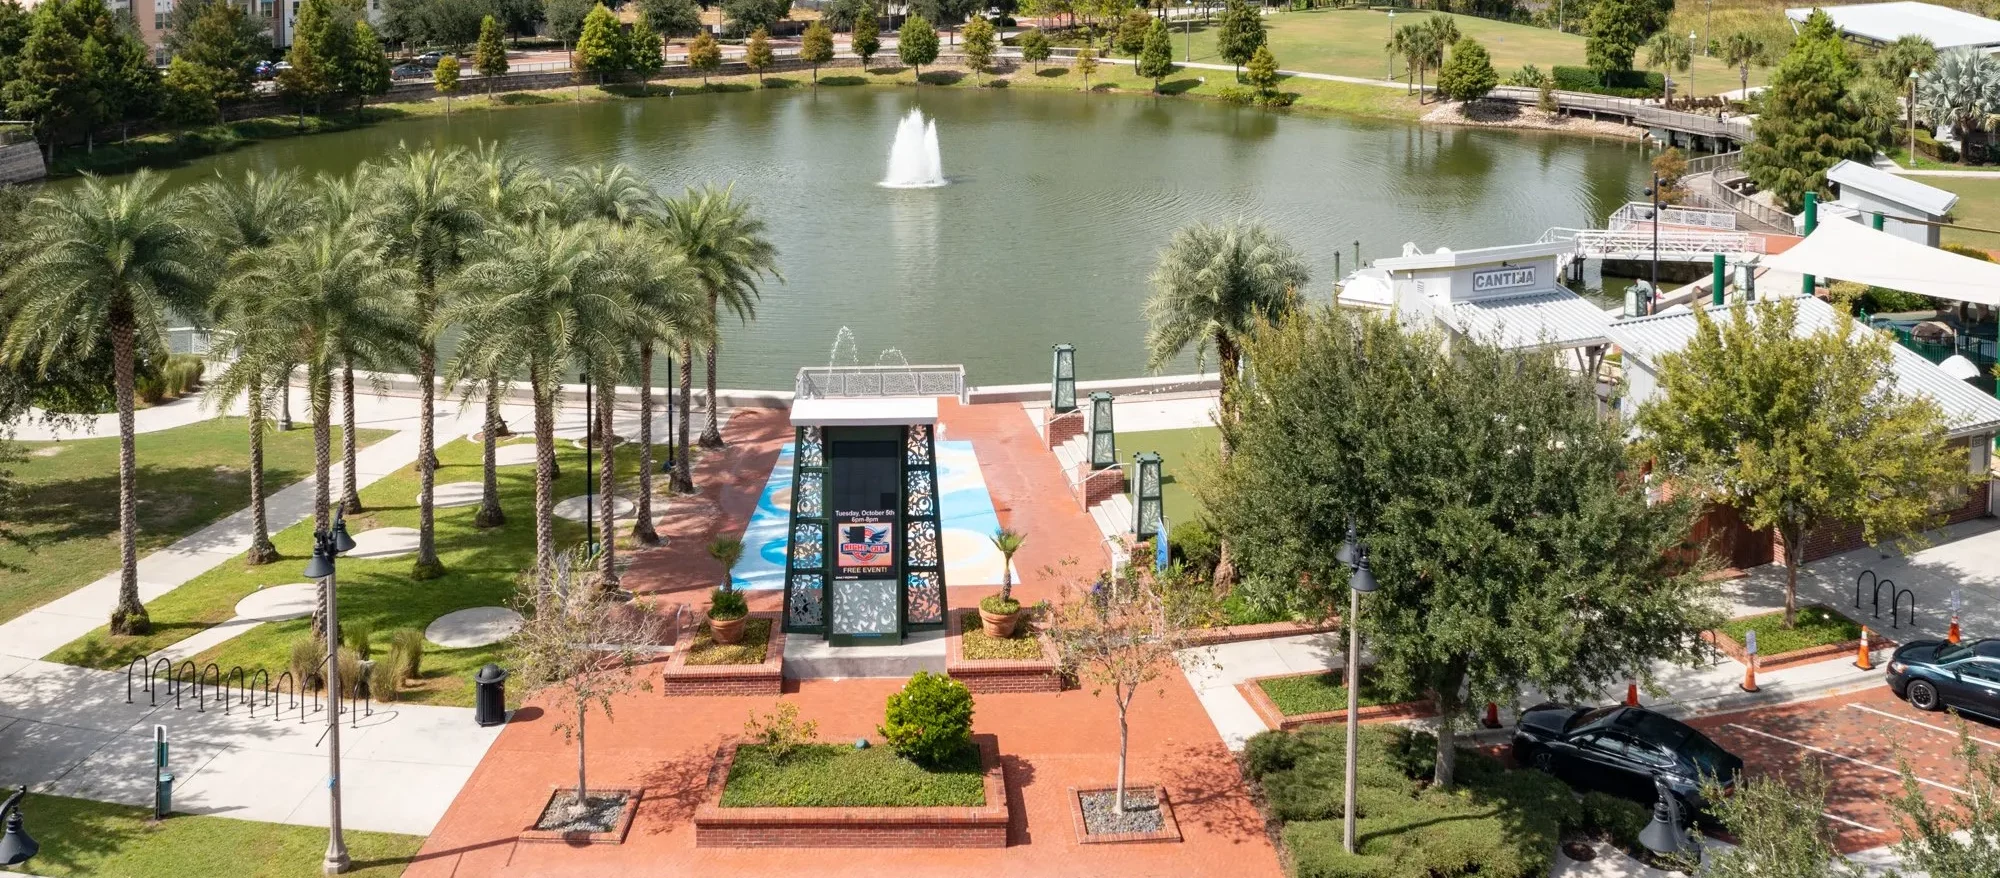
(809, 494)
(923, 540)
(917, 446)
(811, 447)
(926, 589)
(805, 559)
(808, 544)
(806, 598)
(921, 496)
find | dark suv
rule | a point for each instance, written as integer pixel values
(1934, 675)
(1619, 750)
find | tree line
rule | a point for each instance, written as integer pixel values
(590, 270)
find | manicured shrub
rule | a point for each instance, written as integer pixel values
(1973, 252)
(930, 720)
(1619, 819)
(1268, 752)
(1194, 544)
(151, 389)
(406, 653)
(1624, 83)
(726, 605)
(1236, 94)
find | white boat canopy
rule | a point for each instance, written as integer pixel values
(1845, 250)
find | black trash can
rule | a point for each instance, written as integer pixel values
(491, 709)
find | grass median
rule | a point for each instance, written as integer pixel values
(840, 776)
(89, 839)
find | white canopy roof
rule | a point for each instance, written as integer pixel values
(1554, 318)
(1850, 251)
(1893, 187)
(1945, 27)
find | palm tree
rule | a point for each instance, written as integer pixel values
(1740, 50)
(509, 190)
(610, 193)
(726, 247)
(426, 213)
(668, 309)
(107, 263)
(237, 219)
(1672, 55)
(1961, 90)
(1418, 45)
(533, 294)
(1008, 542)
(1212, 285)
(1444, 29)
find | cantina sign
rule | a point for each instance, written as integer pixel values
(1503, 279)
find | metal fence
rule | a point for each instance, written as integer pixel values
(838, 382)
(1640, 213)
(206, 343)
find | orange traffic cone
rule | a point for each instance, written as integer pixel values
(1632, 694)
(1750, 675)
(1952, 635)
(1492, 720)
(1861, 657)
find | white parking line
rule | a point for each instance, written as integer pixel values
(1825, 752)
(1854, 823)
(1914, 722)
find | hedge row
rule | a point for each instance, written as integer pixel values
(1618, 83)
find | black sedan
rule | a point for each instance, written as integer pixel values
(1934, 675)
(1619, 750)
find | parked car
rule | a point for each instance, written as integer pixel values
(430, 59)
(1620, 750)
(266, 70)
(1935, 674)
(412, 71)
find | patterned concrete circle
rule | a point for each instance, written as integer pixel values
(573, 508)
(384, 542)
(455, 494)
(279, 602)
(515, 455)
(478, 626)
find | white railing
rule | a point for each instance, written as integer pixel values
(1711, 163)
(1640, 213)
(837, 382)
(207, 343)
(1632, 243)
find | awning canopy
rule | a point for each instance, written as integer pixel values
(1850, 251)
(1554, 318)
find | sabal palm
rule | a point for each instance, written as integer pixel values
(1008, 542)
(1739, 50)
(509, 190)
(237, 218)
(106, 263)
(1672, 55)
(727, 249)
(668, 309)
(422, 206)
(1418, 45)
(535, 293)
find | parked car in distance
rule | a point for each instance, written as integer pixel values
(430, 59)
(412, 71)
(1936, 674)
(1620, 750)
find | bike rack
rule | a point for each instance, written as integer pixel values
(1896, 597)
(207, 673)
(241, 680)
(1875, 594)
(175, 683)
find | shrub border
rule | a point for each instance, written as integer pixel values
(1259, 631)
(984, 676)
(1730, 647)
(1169, 831)
(764, 678)
(1267, 710)
(616, 836)
(917, 827)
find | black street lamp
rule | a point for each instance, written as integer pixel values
(1665, 836)
(328, 545)
(1354, 554)
(16, 847)
(1653, 294)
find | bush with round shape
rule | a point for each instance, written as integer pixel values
(930, 720)
(1194, 544)
(1618, 819)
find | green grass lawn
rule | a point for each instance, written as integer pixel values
(89, 839)
(978, 647)
(839, 776)
(481, 568)
(1180, 452)
(747, 651)
(1978, 207)
(1320, 693)
(1817, 626)
(189, 477)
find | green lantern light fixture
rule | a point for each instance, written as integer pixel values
(1103, 444)
(1062, 387)
(1147, 505)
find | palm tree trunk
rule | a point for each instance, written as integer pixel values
(1228, 362)
(683, 472)
(427, 565)
(261, 550)
(490, 514)
(545, 465)
(350, 496)
(130, 615)
(285, 401)
(711, 434)
(642, 530)
(607, 459)
(322, 417)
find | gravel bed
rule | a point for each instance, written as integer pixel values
(1142, 812)
(600, 813)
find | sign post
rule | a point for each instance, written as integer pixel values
(1750, 660)
(1160, 548)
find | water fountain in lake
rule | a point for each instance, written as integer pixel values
(914, 162)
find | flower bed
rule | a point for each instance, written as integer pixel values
(1821, 634)
(831, 796)
(1014, 672)
(1288, 701)
(702, 667)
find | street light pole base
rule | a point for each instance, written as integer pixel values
(334, 865)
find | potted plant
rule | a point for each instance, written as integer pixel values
(726, 607)
(999, 613)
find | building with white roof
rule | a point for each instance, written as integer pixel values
(1879, 24)
(1510, 296)
(1862, 192)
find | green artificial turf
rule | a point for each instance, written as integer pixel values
(481, 569)
(1320, 693)
(747, 651)
(840, 776)
(978, 647)
(1181, 451)
(66, 517)
(1978, 207)
(89, 839)
(1817, 626)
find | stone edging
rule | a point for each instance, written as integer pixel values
(1730, 647)
(1170, 830)
(766, 678)
(1260, 631)
(984, 826)
(1267, 710)
(998, 675)
(616, 836)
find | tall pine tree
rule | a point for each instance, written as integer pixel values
(1808, 124)
(1241, 34)
(490, 56)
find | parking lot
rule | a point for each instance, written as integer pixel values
(1860, 740)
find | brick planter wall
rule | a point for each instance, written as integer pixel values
(615, 836)
(997, 675)
(1170, 829)
(1102, 485)
(981, 827)
(766, 678)
(1268, 711)
(1260, 631)
(1061, 428)
(1730, 647)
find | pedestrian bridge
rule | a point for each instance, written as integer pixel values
(1639, 242)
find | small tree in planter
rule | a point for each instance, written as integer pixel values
(999, 613)
(1115, 636)
(726, 607)
(580, 646)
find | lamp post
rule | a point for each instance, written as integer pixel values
(327, 546)
(16, 847)
(1665, 836)
(589, 452)
(1912, 116)
(1390, 75)
(1653, 192)
(1689, 91)
(1360, 579)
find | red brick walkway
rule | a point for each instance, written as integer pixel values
(729, 481)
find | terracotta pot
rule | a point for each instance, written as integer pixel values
(726, 631)
(998, 624)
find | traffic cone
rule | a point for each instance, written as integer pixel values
(1492, 720)
(1952, 635)
(1750, 675)
(1861, 657)
(1632, 694)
